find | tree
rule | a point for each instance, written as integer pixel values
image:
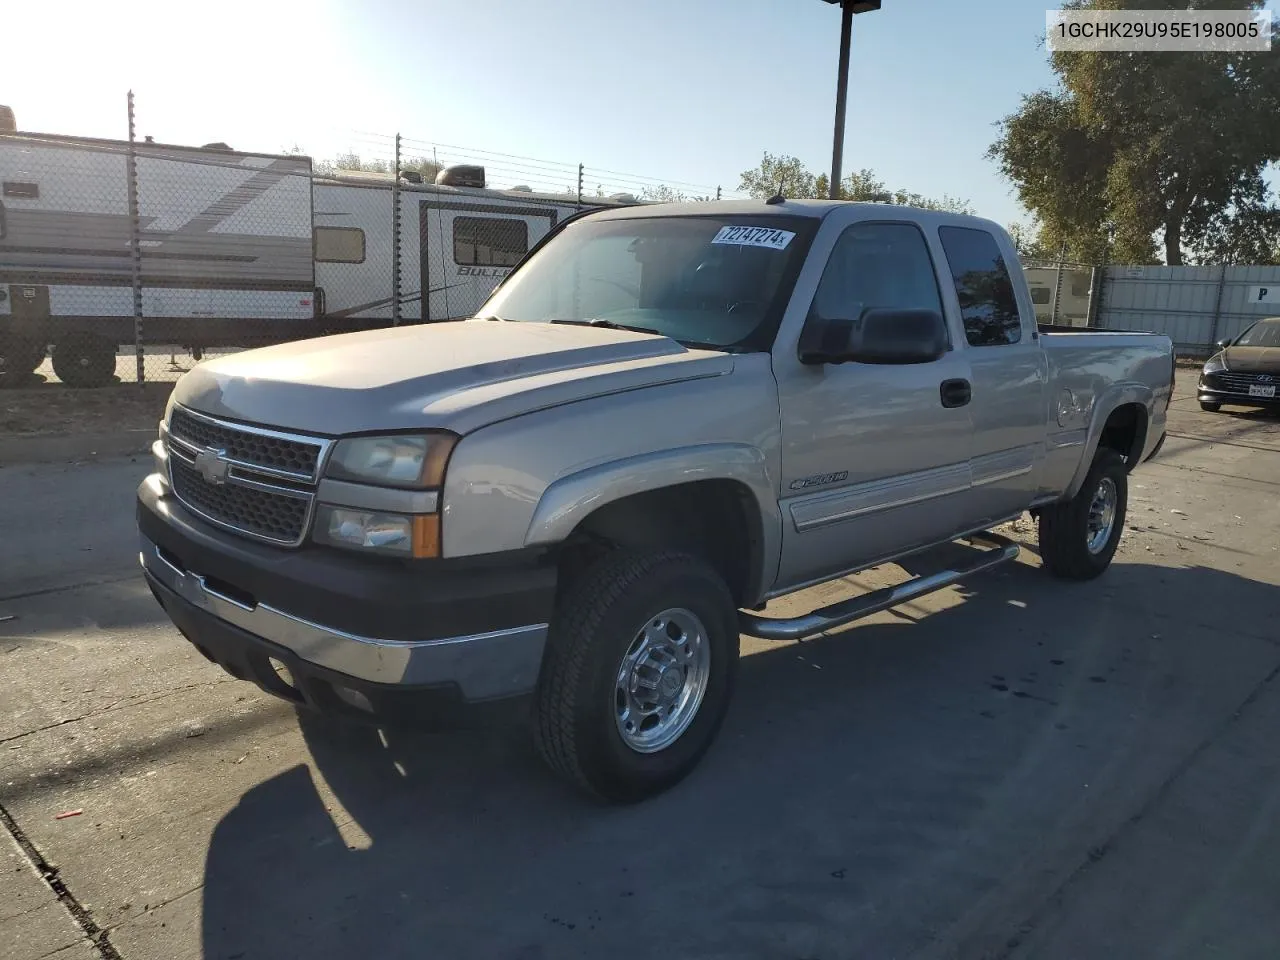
(1029, 243)
(351, 161)
(788, 176)
(780, 174)
(1138, 147)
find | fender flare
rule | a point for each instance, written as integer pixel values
(1116, 396)
(572, 498)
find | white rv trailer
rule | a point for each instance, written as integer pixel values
(1073, 298)
(457, 242)
(236, 249)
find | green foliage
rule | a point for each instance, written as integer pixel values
(353, 162)
(787, 175)
(1135, 148)
(780, 174)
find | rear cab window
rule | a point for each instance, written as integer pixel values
(984, 287)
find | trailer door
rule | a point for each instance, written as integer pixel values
(468, 247)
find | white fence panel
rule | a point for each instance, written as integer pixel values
(1194, 306)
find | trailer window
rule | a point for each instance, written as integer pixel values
(339, 245)
(1040, 294)
(489, 241)
(983, 287)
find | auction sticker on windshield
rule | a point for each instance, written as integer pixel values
(755, 237)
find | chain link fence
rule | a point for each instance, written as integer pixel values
(130, 261)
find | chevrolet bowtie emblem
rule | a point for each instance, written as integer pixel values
(212, 464)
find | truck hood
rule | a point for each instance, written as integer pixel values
(456, 376)
(1252, 359)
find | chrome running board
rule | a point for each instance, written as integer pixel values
(838, 614)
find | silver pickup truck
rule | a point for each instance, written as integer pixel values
(664, 418)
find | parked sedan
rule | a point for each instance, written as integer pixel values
(1245, 371)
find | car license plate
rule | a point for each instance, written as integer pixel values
(1268, 391)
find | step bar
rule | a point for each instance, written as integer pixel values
(846, 611)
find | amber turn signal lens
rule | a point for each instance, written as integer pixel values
(426, 535)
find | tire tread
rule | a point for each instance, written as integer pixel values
(569, 646)
(1062, 549)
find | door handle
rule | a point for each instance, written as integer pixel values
(955, 393)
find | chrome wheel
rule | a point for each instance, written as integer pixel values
(662, 680)
(1102, 515)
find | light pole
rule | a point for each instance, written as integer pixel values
(847, 9)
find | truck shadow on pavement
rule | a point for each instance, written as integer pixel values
(868, 790)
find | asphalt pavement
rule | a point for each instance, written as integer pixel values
(1014, 767)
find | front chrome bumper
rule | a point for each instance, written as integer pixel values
(484, 666)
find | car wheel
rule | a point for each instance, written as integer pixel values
(85, 360)
(638, 673)
(1209, 406)
(1079, 537)
(19, 356)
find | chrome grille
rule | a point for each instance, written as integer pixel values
(1241, 382)
(269, 449)
(252, 480)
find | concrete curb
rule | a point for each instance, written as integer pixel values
(58, 449)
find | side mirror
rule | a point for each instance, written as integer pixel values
(1223, 344)
(881, 335)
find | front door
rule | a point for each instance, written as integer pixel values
(875, 458)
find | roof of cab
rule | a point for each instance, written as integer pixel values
(815, 209)
(794, 208)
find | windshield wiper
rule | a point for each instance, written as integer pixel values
(607, 325)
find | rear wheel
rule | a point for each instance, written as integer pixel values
(84, 360)
(1078, 538)
(638, 673)
(1209, 406)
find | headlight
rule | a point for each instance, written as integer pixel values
(412, 462)
(402, 535)
(1215, 364)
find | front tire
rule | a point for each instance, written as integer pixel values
(1209, 406)
(1079, 537)
(638, 673)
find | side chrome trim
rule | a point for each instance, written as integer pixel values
(1003, 465)
(876, 495)
(484, 665)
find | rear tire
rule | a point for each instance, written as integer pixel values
(1210, 407)
(590, 724)
(1079, 537)
(85, 360)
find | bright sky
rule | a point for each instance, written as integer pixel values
(678, 90)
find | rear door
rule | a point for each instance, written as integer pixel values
(874, 460)
(1008, 372)
(467, 248)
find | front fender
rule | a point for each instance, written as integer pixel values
(570, 499)
(1115, 396)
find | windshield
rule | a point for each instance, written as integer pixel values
(710, 281)
(1264, 333)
